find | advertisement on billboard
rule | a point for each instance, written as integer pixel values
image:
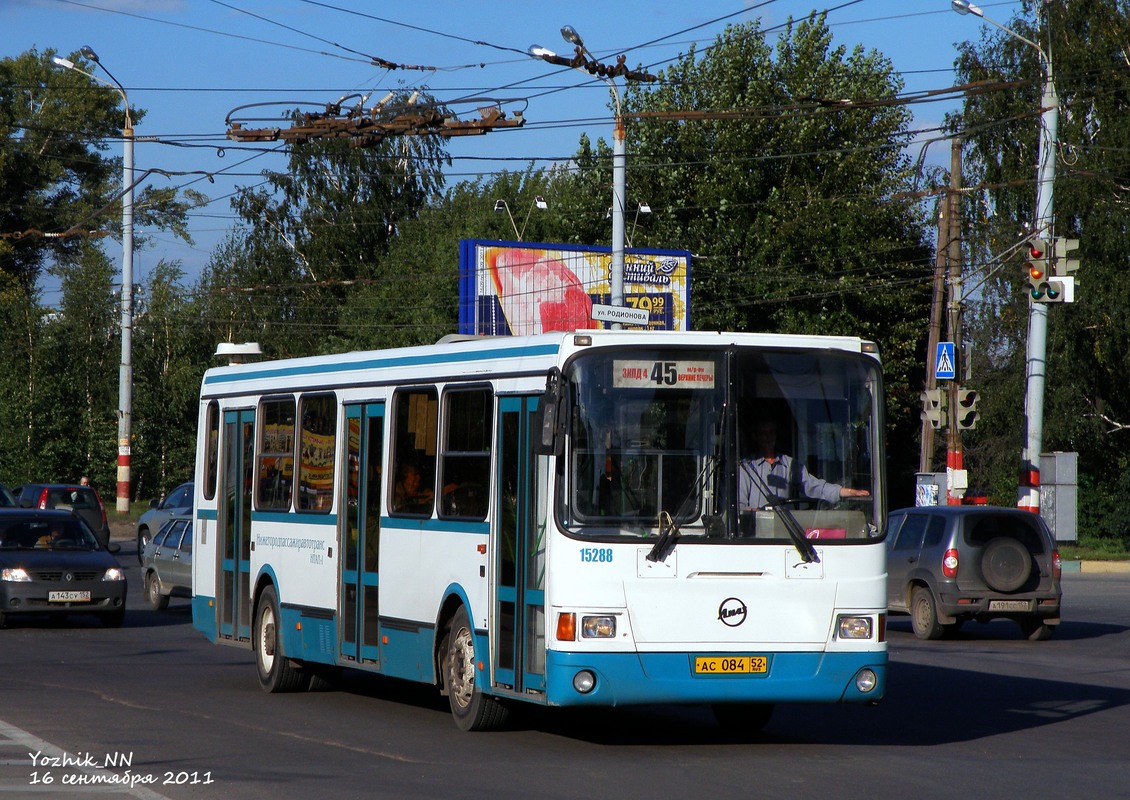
(523, 288)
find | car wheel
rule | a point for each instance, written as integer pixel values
(276, 672)
(742, 717)
(114, 619)
(1036, 630)
(924, 615)
(142, 540)
(472, 710)
(153, 596)
(1005, 564)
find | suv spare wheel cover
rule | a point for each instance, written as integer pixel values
(1005, 564)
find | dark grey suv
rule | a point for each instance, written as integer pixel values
(948, 564)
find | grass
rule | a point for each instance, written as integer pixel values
(1091, 549)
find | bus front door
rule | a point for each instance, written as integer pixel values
(238, 442)
(519, 652)
(360, 535)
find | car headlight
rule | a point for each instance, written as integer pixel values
(848, 627)
(14, 574)
(114, 574)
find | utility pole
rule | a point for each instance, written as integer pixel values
(1028, 492)
(956, 476)
(926, 455)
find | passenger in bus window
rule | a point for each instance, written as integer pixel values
(409, 495)
(771, 476)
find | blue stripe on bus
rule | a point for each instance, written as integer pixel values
(294, 518)
(644, 678)
(429, 524)
(249, 373)
(204, 616)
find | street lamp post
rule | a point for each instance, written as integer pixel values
(125, 369)
(585, 60)
(1028, 492)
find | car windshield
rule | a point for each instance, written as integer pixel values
(24, 533)
(667, 440)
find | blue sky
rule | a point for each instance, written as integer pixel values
(190, 62)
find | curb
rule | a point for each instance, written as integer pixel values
(1097, 567)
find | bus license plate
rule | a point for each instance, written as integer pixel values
(1010, 605)
(68, 597)
(730, 665)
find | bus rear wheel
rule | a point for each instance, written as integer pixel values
(472, 710)
(276, 672)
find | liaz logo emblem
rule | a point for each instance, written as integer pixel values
(732, 612)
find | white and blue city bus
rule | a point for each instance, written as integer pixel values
(574, 535)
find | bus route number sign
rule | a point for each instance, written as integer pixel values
(631, 374)
(730, 665)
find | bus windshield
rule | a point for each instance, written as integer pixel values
(732, 444)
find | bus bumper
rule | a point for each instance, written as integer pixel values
(644, 678)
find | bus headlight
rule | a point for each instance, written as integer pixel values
(598, 627)
(848, 627)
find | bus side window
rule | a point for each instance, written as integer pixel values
(317, 447)
(465, 457)
(211, 445)
(416, 415)
(276, 453)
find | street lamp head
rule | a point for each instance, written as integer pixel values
(539, 201)
(569, 34)
(644, 208)
(65, 63)
(965, 7)
(88, 52)
(499, 206)
(537, 51)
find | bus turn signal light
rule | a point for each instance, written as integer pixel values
(566, 627)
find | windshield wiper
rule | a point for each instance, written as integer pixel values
(668, 527)
(780, 508)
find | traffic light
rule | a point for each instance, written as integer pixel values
(966, 411)
(934, 407)
(1040, 288)
(1062, 266)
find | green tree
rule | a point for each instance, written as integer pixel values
(170, 359)
(1087, 403)
(784, 171)
(325, 225)
(76, 371)
(21, 325)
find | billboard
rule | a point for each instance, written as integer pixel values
(523, 288)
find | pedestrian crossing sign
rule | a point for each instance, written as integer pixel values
(944, 366)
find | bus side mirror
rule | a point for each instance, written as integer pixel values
(549, 439)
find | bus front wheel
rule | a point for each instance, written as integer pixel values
(472, 710)
(276, 672)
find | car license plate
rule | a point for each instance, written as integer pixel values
(68, 597)
(730, 665)
(1010, 605)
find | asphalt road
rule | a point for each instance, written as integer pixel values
(986, 714)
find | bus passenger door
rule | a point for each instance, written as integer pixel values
(237, 456)
(360, 536)
(519, 652)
